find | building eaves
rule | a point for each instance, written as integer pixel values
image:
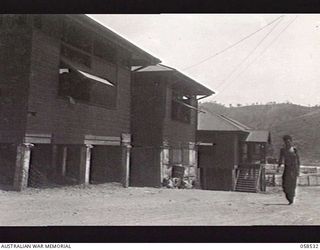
(200, 89)
(113, 36)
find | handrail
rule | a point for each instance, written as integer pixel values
(249, 165)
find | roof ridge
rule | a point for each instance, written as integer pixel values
(227, 120)
(163, 68)
(236, 123)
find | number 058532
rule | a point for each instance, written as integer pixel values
(310, 245)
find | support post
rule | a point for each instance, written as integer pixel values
(64, 161)
(126, 152)
(263, 178)
(22, 166)
(193, 165)
(198, 177)
(198, 183)
(54, 159)
(85, 160)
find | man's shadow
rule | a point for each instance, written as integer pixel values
(275, 204)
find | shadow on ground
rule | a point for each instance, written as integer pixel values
(276, 204)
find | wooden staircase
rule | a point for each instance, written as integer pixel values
(249, 178)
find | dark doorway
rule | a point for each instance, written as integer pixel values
(40, 166)
(213, 175)
(106, 164)
(205, 161)
(145, 167)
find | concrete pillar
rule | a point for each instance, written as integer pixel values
(193, 175)
(164, 161)
(64, 161)
(85, 160)
(126, 152)
(22, 166)
(193, 154)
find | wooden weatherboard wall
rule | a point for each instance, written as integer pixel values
(15, 49)
(218, 171)
(151, 112)
(148, 110)
(176, 132)
(154, 128)
(69, 121)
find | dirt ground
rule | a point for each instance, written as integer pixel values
(110, 204)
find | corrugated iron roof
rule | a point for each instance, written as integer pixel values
(218, 122)
(110, 34)
(237, 123)
(259, 136)
(199, 88)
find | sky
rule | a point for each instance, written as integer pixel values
(279, 63)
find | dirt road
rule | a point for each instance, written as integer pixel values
(110, 204)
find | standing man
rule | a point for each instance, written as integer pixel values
(289, 155)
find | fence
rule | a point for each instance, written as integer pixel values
(309, 180)
(273, 179)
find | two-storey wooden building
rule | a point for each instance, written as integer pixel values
(164, 124)
(65, 86)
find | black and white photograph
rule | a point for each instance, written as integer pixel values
(159, 119)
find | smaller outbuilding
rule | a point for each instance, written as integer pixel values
(231, 155)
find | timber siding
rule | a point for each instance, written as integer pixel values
(55, 115)
(218, 171)
(225, 153)
(151, 113)
(147, 111)
(159, 141)
(177, 132)
(63, 121)
(148, 100)
(14, 83)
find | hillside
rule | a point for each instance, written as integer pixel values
(301, 122)
(305, 129)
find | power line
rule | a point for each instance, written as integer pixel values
(266, 48)
(250, 53)
(233, 45)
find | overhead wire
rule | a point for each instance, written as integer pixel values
(233, 45)
(248, 56)
(265, 49)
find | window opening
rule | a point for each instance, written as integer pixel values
(77, 85)
(180, 109)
